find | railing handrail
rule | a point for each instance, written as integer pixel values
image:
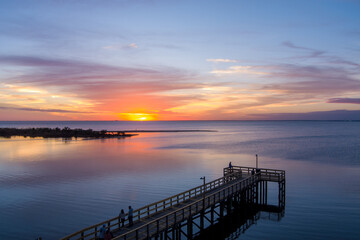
(254, 168)
(137, 212)
(266, 171)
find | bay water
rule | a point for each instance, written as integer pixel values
(53, 187)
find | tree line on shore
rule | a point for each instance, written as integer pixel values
(65, 132)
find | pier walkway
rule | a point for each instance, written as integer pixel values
(194, 208)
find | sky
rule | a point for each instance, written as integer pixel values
(179, 60)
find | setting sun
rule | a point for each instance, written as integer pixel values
(138, 116)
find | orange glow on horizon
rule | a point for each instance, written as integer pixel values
(138, 116)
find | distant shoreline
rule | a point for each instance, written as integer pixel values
(67, 132)
(159, 131)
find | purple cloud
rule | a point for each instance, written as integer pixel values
(313, 52)
(35, 61)
(41, 110)
(344, 100)
(342, 115)
(60, 72)
(112, 87)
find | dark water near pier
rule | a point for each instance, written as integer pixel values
(52, 187)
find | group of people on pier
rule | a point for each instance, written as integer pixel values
(122, 216)
(106, 234)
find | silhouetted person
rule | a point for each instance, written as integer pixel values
(108, 235)
(131, 216)
(122, 216)
(102, 232)
(230, 167)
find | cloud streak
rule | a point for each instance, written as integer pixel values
(321, 55)
(313, 52)
(221, 60)
(248, 70)
(41, 110)
(122, 47)
(321, 115)
(344, 100)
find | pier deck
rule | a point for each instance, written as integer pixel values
(239, 185)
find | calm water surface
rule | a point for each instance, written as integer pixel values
(52, 187)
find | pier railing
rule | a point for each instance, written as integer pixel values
(236, 172)
(92, 232)
(155, 226)
(264, 173)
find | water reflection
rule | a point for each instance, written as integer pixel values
(53, 160)
(236, 223)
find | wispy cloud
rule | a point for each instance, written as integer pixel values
(41, 110)
(344, 100)
(121, 46)
(312, 52)
(320, 115)
(30, 61)
(321, 55)
(221, 60)
(313, 79)
(249, 70)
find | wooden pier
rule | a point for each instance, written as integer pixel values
(188, 214)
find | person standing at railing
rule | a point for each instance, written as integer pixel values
(108, 235)
(122, 216)
(102, 232)
(130, 216)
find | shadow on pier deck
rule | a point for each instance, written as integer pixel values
(242, 192)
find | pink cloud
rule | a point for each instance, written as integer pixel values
(116, 89)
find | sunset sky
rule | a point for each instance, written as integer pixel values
(179, 60)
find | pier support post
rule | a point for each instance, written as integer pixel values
(228, 205)
(257, 192)
(202, 220)
(173, 233)
(266, 189)
(190, 228)
(282, 193)
(212, 215)
(178, 232)
(221, 209)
